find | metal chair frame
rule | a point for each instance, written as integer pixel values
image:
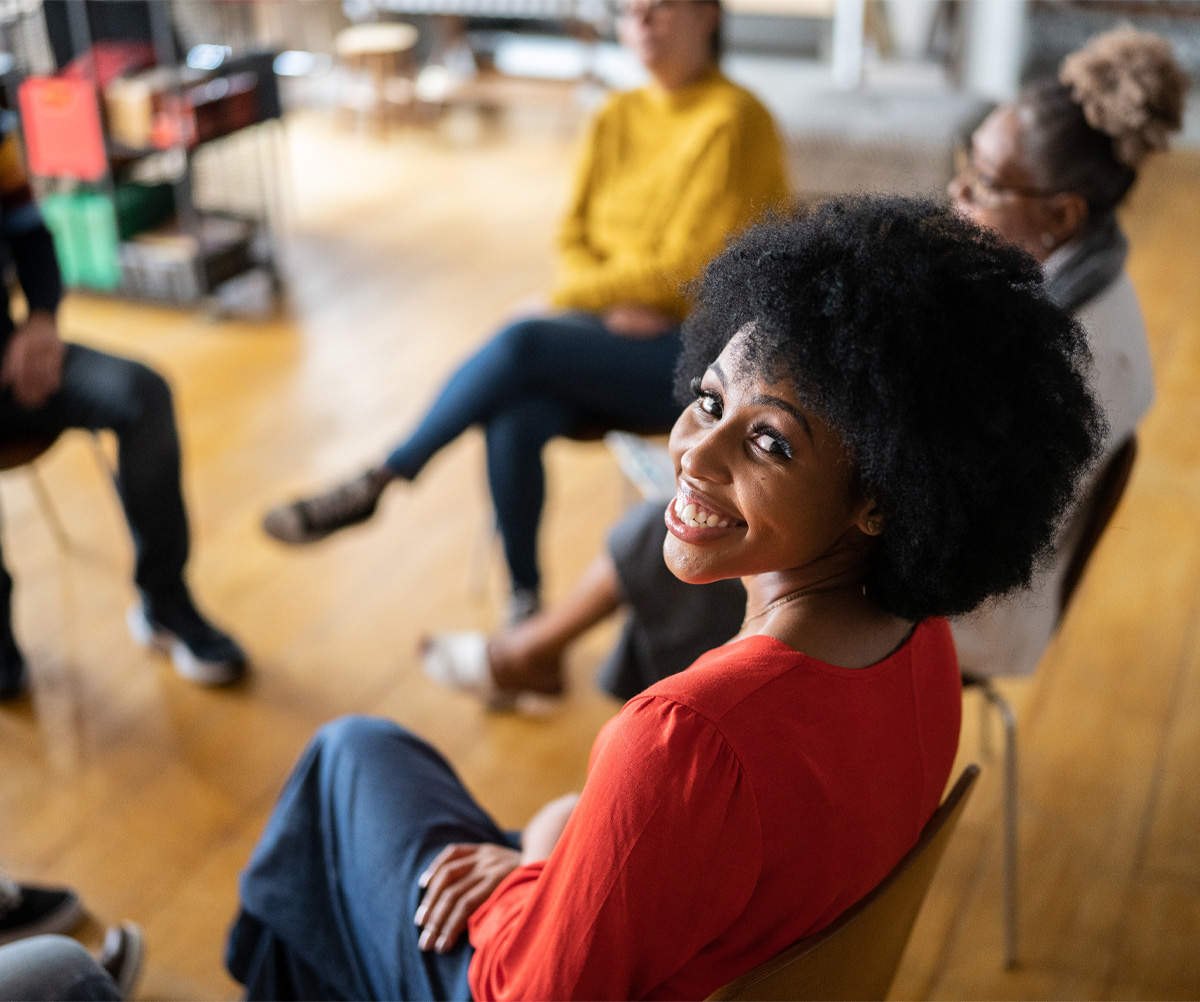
(1095, 515)
(24, 454)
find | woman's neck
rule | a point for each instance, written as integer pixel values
(822, 611)
(841, 569)
(676, 78)
(767, 592)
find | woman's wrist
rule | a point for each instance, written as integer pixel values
(545, 828)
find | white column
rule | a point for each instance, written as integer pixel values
(995, 47)
(848, 43)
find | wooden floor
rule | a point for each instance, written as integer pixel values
(148, 793)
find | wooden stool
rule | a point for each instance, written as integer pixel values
(383, 51)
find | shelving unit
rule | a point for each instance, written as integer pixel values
(192, 207)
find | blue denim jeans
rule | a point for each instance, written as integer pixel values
(105, 391)
(329, 894)
(535, 380)
(52, 969)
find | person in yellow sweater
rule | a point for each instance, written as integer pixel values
(669, 173)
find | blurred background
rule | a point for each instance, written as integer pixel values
(189, 150)
(304, 213)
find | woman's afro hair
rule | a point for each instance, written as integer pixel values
(959, 390)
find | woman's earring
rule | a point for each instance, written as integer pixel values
(1047, 241)
(874, 527)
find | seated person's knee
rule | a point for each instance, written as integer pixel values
(356, 734)
(149, 389)
(525, 339)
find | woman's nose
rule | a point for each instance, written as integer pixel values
(705, 456)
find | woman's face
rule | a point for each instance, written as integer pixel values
(999, 189)
(672, 38)
(768, 476)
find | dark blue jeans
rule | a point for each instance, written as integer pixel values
(535, 380)
(105, 391)
(53, 969)
(329, 894)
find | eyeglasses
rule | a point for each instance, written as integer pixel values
(640, 8)
(982, 190)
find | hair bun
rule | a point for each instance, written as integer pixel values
(1130, 88)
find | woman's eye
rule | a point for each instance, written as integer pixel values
(708, 402)
(772, 443)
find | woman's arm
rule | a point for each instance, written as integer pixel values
(659, 857)
(545, 828)
(572, 245)
(464, 875)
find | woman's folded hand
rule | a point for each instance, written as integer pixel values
(636, 321)
(458, 881)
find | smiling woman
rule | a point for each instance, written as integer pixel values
(887, 419)
(954, 389)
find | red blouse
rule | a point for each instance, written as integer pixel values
(729, 810)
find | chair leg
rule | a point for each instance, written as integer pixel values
(985, 728)
(479, 561)
(57, 529)
(102, 459)
(1011, 903)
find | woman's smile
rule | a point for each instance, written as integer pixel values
(694, 518)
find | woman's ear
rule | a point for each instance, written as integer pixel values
(870, 520)
(1067, 217)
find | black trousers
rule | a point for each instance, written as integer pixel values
(105, 391)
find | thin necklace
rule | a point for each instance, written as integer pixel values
(791, 596)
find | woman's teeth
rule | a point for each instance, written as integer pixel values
(691, 514)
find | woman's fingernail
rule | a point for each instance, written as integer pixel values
(419, 918)
(423, 879)
(423, 942)
(443, 944)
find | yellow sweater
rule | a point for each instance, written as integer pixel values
(666, 178)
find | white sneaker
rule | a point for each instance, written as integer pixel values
(458, 660)
(208, 660)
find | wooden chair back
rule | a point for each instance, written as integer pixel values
(22, 451)
(1106, 495)
(856, 956)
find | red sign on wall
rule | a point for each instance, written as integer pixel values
(61, 119)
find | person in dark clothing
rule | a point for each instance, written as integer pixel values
(48, 385)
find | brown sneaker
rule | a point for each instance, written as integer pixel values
(311, 519)
(30, 910)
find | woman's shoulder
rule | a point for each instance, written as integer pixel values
(1114, 315)
(734, 106)
(656, 738)
(1122, 372)
(759, 667)
(739, 97)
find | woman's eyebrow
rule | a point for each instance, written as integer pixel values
(792, 409)
(717, 371)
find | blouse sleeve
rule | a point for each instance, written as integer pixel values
(660, 856)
